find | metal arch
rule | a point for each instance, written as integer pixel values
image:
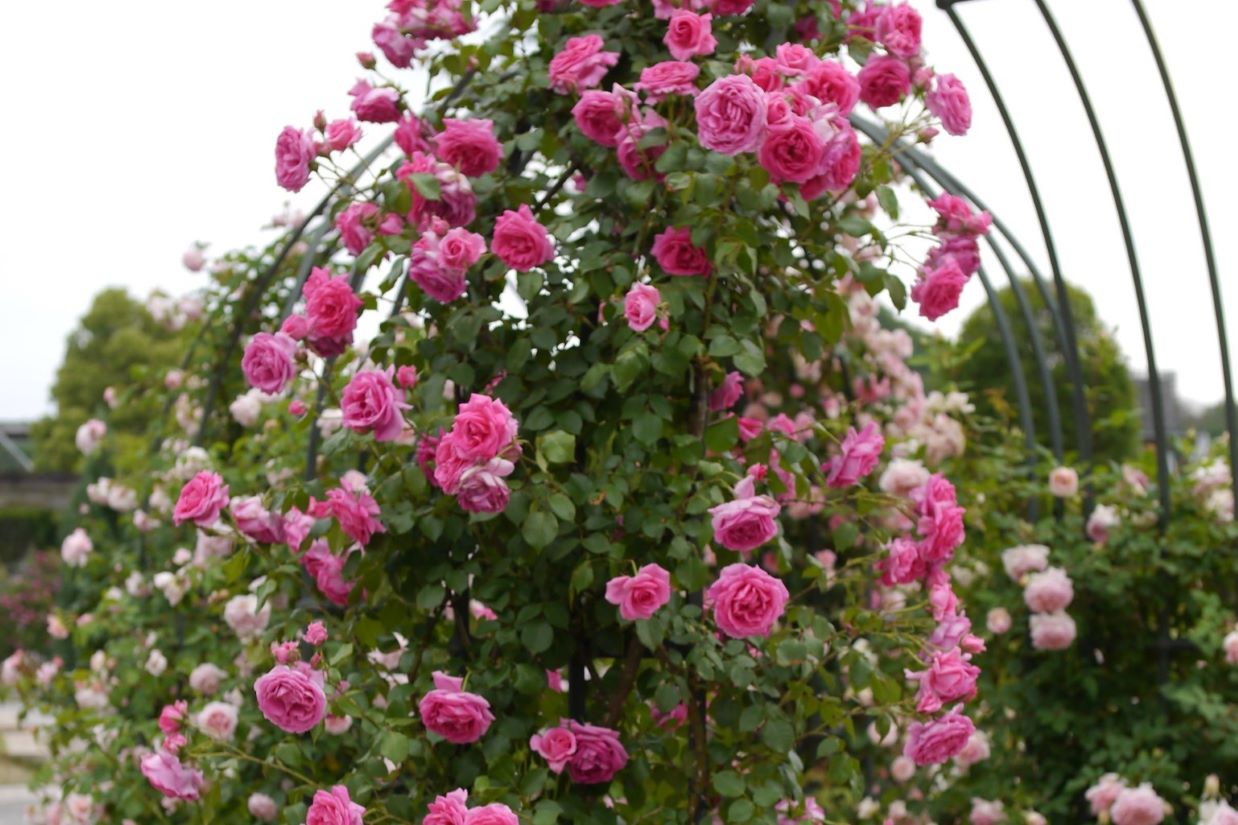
(1154, 379)
(1231, 415)
(1070, 351)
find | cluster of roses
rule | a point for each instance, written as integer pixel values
(951, 263)
(472, 459)
(1047, 592)
(1112, 800)
(413, 24)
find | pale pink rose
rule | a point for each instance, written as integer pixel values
(860, 452)
(812, 812)
(469, 145)
(675, 253)
(201, 500)
(218, 720)
(1137, 806)
(1048, 592)
(581, 64)
(90, 435)
(457, 716)
(670, 77)
(640, 306)
(901, 476)
(689, 35)
(1063, 482)
(334, 807)
(496, 813)
(938, 740)
(950, 103)
(902, 769)
(341, 134)
(206, 678)
(1024, 559)
(976, 750)
(986, 812)
(997, 620)
(268, 362)
(746, 522)
(167, 775)
(730, 115)
(76, 548)
(294, 152)
(600, 115)
(937, 289)
(1102, 795)
(242, 614)
(794, 59)
(1103, 519)
(292, 698)
(336, 725)
(640, 596)
(746, 601)
(56, 627)
(898, 29)
(884, 81)
(262, 807)
(193, 258)
(483, 428)
(1052, 631)
(451, 809)
(830, 82)
(371, 403)
(1230, 645)
(520, 241)
(255, 521)
(948, 678)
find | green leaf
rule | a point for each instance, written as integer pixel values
(537, 636)
(729, 783)
(539, 529)
(562, 506)
(547, 812)
(558, 446)
(888, 201)
(741, 810)
(722, 435)
(778, 735)
(430, 596)
(395, 746)
(647, 428)
(426, 185)
(752, 360)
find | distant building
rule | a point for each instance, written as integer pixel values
(15, 447)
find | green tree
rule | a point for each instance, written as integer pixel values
(116, 341)
(1108, 389)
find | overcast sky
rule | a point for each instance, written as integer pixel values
(134, 129)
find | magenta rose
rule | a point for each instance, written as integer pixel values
(327, 571)
(839, 166)
(294, 152)
(640, 596)
(556, 745)
(581, 65)
(937, 741)
(330, 305)
(640, 306)
(727, 393)
(201, 500)
(859, 454)
(483, 428)
(830, 82)
(448, 810)
(599, 754)
(334, 807)
(341, 134)
(937, 290)
(675, 253)
(730, 115)
(371, 403)
(902, 564)
(356, 511)
(600, 115)
(746, 522)
(167, 775)
(763, 71)
(884, 81)
(397, 48)
(351, 223)
(375, 105)
(948, 678)
(949, 102)
(792, 151)
(689, 35)
(481, 488)
(291, 698)
(520, 241)
(256, 521)
(496, 813)
(670, 77)
(426, 269)
(746, 601)
(794, 59)
(469, 145)
(729, 7)
(637, 162)
(898, 29)
(963, 249)
(268, 362)
(457, 716)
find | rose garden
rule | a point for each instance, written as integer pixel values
(573, 462)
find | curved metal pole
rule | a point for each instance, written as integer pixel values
(1070, 351)
(1231, 416)
(1154, 378)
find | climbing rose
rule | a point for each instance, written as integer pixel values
(262, 807)
(291, 698)
(556, 745)
(1230, 645)
(937, 290)
(483, 427)
(406, 376)
(255, 521)
(599, 754)
(830, 82)
(496, 813)
(294, 152)
(1063, 482)
(451, 809)
(375, 105)
(948, 678)
(940, 739)
(327, 571)
(640, 306)
(1101, 796)
(581, 65)
(334, 807)
(898, 29)
(481, 488)
(167, 775)
(341, 134)
(730, 115)
(670, 77)
(675, 253)
(1048, 592)
(1138, 806)
(859, 455)
(457, 716)
(949, 102)
(355, 510)
(600, 115)
(637, 162)
(201, 500)
(331, 309)
(746, 522)
(371, 403)
(89, 436)
(1104, 518)
(884, 81)
(268, 363)
(997, 620)
(746, 601)
(640, 596)
(218, 720)
(1024, 559)
(352, 225)
(792, 150)
(520, 241)
(206, 678)
(76, 548)
(469, 145)
(689, 35)
(1052, 631)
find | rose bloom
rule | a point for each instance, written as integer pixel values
(89, 435)
(1048, 592)
(460, 249)
(898, 29)
(860, 453)
(334, 807)
(201, 500)
(600, 115)
(520, 241)
(457, 716)
(640, 596)
(451, 809)
(218, 720)
(950, 103)
(746, 601)
(255, 521)
(884, 81)
(1137, 806)
(341, 134)
(327, 571)
(746, 522)
(469, 145)
(1103, 519)
(976, 750)
(675, 253)
(637, 162)
(556, 745)
(640, 306)
(599, 754)
(76, 548)
(689, 35)
(1052, 631)
(375, 105)
(726, 394)
(581, 65)
(483, 428)
(371, 403)
(792, 151)
(948, 678)
(938, 740)
(268, 362)
(1063, 482)
(1230, 645)
(352, 224)
(481, 488)
(986, 812)
(670, 77)
(294, 152)
(330, 305)
(1024, 559)
(496, 813)
(937, 290)
(241, 613)
(830, 82)
(1101, 796)
(292, 698)
(997, 620)
(262, 807)
(730, 115)
(426, 269)
(356, 511)
(206, 678)
(901, 476)
(167, 775)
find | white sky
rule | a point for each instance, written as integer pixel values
(134, 129)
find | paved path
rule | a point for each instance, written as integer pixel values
(13, 802)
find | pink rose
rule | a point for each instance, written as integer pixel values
(746, 522)
(331, 308)
(397, 48)
(675, 253)
(410, 135)
(727, 393)
(481, 488)
(262, 807)
(496, 813)
(1052, 631)
(997, 621)
(482, 429)
(964, 249)
(327, 571)
(937, 290)
(600, 115)
(950, 103)
(315, 633)
(731, 7)
(469, 145)
(1103, 519)
(1024, 559)
(268, 363)
(76, 548)
(1101, 796)
(763, 71)
(295, 327)
(334, 807)
(898, 29)
(1063, 482)
(255, 521)
(884, 81)
(406, 376)
(206, 678)
(637, 162)
(746, 601)
(860, 452)
(375, 105)
(459, 248)
(948, 678)
(448, 810)
(830, 82)
(167, 775)
(351, 223)
(640, 596)
(839, 165)
(670, 77)
(218, 720)
(640, 306)
(976, 750)
(1138, 806)
(581, 64)
(937, 741)
(902, 564)
(294, 152)
(1230, 645)
(792, 151)
(171, 716)
(1048, 592)
(291, 698)
(201, 500)
(520, 241)
(556, 745)
(730, 115)
(341, 134)
(955, 217)
(689, 35)
(371, 403)
(426, 269)
(599, 754)
(986, 812)
(457, 716)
